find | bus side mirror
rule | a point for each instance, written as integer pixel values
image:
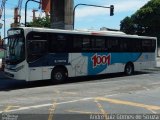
(111, 10)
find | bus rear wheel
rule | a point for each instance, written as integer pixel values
(129, 69)
(58, 75)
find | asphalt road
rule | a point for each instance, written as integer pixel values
(104, 97)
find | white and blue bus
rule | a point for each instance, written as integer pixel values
(40, 53)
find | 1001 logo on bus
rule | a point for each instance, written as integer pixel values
(101, 60)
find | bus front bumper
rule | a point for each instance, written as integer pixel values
(7, 74)
(13, 75)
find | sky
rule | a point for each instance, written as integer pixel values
(85, 17)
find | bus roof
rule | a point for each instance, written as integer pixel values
(87, 32)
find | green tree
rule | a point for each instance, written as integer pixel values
(145, 21)
(127, 25)
(40, 22)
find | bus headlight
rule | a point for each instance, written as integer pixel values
(19, 68)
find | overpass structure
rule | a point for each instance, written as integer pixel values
(62, 14)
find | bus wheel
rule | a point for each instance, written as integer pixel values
(58, 75)
(129, 69)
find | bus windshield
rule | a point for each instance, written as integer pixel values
(15, 48)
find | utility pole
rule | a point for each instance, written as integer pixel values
(111, 9)
(25, 21)
(4, 20)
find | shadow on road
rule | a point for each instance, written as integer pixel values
(11, 84)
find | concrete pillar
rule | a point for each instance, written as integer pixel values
(62, 14)
(69, 14)
(57, 14)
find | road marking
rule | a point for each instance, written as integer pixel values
(52, 110)
(111, 95)
(26, 108)
(154, 112)
(101, 109)
(46, 105)
(70, 93)
(56, 91)
(81, 112)
(115, 101)
(156, 83)
(146, 88)
(8, 108)
(152, 108)
(84, 99)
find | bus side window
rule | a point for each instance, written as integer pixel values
(123, 45)
(146, 45)
(57, 42)
(52, 43)
(137, 46)
(77, 43)
(153, 46)
(37, 45)
(86, 43)
(61, 43)
(128, 45)
(112, 44)
(99, 44)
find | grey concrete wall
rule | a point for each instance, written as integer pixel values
(69, 14)
(62, 14)
(57, 14)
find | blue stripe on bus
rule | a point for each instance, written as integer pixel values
(51, 60)
(98, 62)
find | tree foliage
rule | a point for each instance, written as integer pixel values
(40, 22)
(146, 21)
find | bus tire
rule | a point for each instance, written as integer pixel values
(58, 75)
(129, 69)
